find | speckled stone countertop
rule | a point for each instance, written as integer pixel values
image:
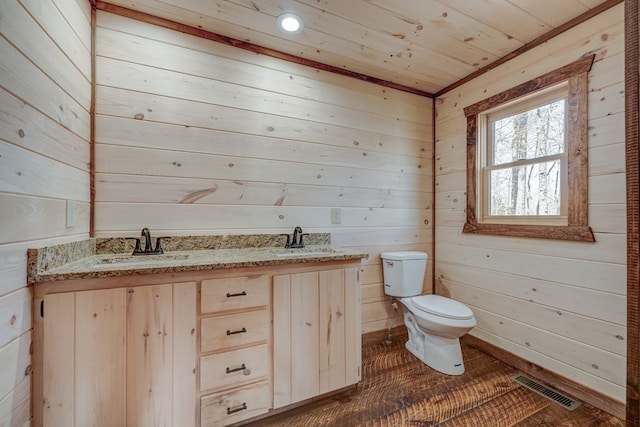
(111, 257)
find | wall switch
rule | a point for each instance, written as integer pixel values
(71, 213)
(336, 216)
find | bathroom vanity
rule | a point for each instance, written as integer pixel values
(202, 337)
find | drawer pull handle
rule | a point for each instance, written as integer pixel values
(241, 331)
(241, 368)
(238, 409)
(241, 294)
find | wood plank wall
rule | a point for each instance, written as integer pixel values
(560, 305)
(196, 137)
(45, 92)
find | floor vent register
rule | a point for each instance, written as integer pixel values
(543, 390)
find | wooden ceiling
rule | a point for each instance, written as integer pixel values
(425, 45)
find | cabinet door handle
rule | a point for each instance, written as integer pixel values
(240, 331)
(241, 294)
(241, 368)
(238, 409)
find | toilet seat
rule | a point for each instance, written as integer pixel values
(441, 306)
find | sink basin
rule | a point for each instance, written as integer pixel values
(130, 260)
(314, 253)
(304, 252)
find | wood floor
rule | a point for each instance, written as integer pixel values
(398, 390)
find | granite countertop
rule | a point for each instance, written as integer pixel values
(99, 258)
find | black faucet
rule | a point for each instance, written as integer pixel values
(146, 234)
(147, 239)
(296, 240)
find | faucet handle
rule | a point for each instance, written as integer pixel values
(138, 248)
(288, 243)
(301, 242)
(158, 249)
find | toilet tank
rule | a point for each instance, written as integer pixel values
(403, 272)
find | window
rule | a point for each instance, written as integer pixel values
(523, 160)
(527, 159)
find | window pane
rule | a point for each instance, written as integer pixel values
(531, 134)
(528, 190)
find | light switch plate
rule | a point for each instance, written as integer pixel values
(336, 216)
(71, 213)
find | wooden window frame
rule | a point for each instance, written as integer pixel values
(577, 228)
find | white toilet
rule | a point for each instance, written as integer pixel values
(435, 323)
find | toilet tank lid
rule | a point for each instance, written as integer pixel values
(442, 306)
(402, 255)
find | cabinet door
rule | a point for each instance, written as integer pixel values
(340, 338)
(184, 354)
(161, 355)
(84, 358)
(58, 361)
(120, 357)
(316, 333)
(305, 330)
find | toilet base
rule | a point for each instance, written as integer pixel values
(442, 354)
(448, 361)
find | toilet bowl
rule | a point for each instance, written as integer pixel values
(434, 323)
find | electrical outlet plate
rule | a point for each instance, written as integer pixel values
(336, 216)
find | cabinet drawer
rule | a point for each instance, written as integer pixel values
(239, 404)
(234, 293)
(233, 330)
(234, 367)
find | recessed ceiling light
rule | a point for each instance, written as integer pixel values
(290, 23)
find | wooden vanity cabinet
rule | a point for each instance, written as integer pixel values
(209, 349)
(118, 357)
